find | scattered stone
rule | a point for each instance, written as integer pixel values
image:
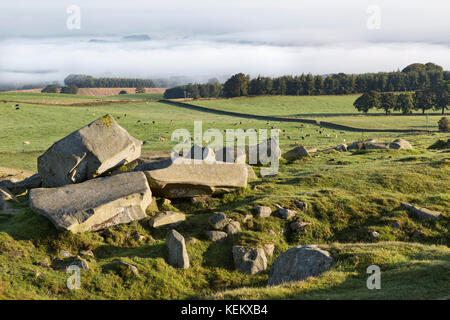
(376, 146)
(400, 144)
(95, 204)
(200, 199)
(262, 212)
(421, 213)
(286, 214)
(166, 202)
(299, 263)
(247, 217)
(233, 227)
(298, 227)
(296, 153)
(64, 253)
(440, 144)
(341, 148)
(216, 236)
(87, 153)
(81, 263)
(181, 180)
(138, 237)
(167, 218)
(301, 205)
(178, 256)
(218, 221)
(269, 249)
(358, 145)
(153, 207)
(130, 267)
(374, 234)
(87, 253)
(19, 187)
(249, 260)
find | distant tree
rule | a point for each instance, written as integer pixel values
(140, 89)
(404, 103)
(367, 101)
(444, 124)
(441, 96)
(387, 102)
(50, 89)
(123, 92)
(424, 100)
(236, 86)
(69, 89)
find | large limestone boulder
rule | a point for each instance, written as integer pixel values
(88, 153)
(95, 204)
(299, 263)
(297, 153)
(177, 253)
(187, 180)
(249, 260)
(421, 213)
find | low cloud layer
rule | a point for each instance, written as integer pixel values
(200, 39)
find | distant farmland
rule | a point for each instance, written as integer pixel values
(103, 92)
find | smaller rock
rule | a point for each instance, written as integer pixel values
(269, 249)
(296, 153)
(262, 212)
(286, 214)
(301, 205)
(400, 144)
(130, 267)
(417, 233)
(166, 202)
(297, 226)
(176, 247)
(216, 236)
(218, 221)
(167, 218)
(64, 253)
(374, 234)
(87, 253)
(247, 217)
(81, 263)
(342, 147)
(421, 213)
(249, 260)
(233, 227)
(190, 240)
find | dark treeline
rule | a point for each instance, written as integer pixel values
(413, 77)
(85, 81)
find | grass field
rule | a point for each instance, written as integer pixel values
(349, 195)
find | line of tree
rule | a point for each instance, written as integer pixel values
(434, 97)
(85, 81)
(209, 90)
(414, 77)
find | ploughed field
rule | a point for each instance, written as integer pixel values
(349, 195)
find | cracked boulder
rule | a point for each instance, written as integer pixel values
(249, 260)
(87, 153)
(95, 204)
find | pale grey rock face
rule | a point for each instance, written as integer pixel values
(133, 269)
(299, 263)
(400, 144)
(177, 253)
(187, 180)
(233, 227)
(269, 249)
(95, 204)
(286, 214)
(249, 260)
(87, 153)
(167, 218)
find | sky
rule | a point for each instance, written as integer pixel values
(44, 41)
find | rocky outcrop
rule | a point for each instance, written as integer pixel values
(87, 153)
(296, 153)
(95, 204)
(299, 263)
